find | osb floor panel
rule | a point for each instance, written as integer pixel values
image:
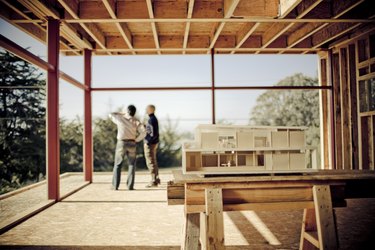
(99, 218)
(20, 202)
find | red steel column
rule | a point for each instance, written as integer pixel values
(87, 135)
(53, 135)
(213, 86)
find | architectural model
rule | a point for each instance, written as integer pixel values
(225, 149)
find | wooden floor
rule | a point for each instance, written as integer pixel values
(98, 218)
(22, 201)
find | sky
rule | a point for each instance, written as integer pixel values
(184, 108)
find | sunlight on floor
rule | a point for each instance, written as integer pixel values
(261, 227)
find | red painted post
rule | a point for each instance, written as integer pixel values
(87, 143)
(53, 129)
(213, 86)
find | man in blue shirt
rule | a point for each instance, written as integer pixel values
(151, 142)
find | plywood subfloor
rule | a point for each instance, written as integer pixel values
(21, 202)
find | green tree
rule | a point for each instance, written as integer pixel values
(22, 122)
(169, 153)
(71, 145)
(290, 107)
(104, 144)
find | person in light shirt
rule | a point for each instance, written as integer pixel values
(129, 131)
(151, 146)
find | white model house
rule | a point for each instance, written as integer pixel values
(225, 149)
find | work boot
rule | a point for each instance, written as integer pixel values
(151, 185)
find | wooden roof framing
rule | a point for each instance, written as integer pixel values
(112, 27)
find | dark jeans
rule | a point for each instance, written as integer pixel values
(152, 163)
(128, 149)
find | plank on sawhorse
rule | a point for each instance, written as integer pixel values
(211, 221)
(191, 232)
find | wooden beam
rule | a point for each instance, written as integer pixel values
(212, 222)
(272, 34)
(286, 6)
(340, 7)
(187, 27)
(345, 111)
(94, 31)
(229, 7)
(337, 110)
(331, 102)
(308, 225)
(210, 20)
(67, 31)
(145, 48)
(36, 30)
(122, 27)
(331, 32)
(191, 232)
(244, 34)
(324, 217)
(311, 28)
(153, 25)
(257, 8)
(110, 5)
(324, 113)
(302, 33)
(353, 104)
(71, 6)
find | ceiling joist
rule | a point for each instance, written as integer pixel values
(153, 25)
(191, 26)
(229, 7)
(71, 6)
(309, 29)
(187, 26)
(110, 5)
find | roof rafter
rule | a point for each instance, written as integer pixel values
(229, 7)
(187, 26)
(272, 35)
(42, 11)
(71, 6)
(30, 30)
(110, 5)
(244, 34)
(153, 25)
(331, 32)
(310, 29)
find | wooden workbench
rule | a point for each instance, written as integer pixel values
(206, 198)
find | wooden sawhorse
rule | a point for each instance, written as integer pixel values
(205, 200)
(318, 226)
